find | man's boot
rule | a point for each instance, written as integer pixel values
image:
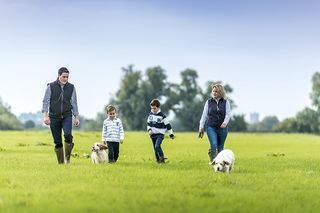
(212, 154)
(68, 148)
(161, 159)
(59, 153)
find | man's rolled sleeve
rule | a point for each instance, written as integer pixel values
(46, 100)
(74, 103)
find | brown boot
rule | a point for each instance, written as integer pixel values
(59, 153)
(68, 148)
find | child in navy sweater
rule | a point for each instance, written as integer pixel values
(157, 125)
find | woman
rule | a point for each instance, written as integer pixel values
(215, 118)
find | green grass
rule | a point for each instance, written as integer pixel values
(273, 173)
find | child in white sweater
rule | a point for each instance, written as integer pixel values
(112, 133)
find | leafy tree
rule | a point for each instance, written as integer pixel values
(315, 94)
(305, 121)
(29, 124)
(266, 125)
(238, 124)
(8, 121)
(92, 124)
(126, 97)
(288, 125)
(308, 121)
(187, 100)
(135, 93)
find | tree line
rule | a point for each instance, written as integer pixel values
(308, 119)
(183, 102)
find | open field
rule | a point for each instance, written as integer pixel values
(273, 173)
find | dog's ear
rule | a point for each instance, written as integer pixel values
(103, 146)
(226, 163)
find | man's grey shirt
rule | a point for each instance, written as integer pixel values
(47, 96)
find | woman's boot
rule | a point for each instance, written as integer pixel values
(212, 154)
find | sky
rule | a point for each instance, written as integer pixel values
(266, 50)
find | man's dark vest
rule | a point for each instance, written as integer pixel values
(60, 100)
(216, 112)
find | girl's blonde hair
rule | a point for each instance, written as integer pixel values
(220, 90)
(110, 108)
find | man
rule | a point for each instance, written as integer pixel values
(59, 104)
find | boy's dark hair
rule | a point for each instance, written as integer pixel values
(62, 70)
(109, 108)
(155, 102)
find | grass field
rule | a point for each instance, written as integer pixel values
(273, 173)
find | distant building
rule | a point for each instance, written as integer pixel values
(37, 117)
(254, 117)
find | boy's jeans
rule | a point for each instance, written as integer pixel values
(113, 151)
(217, 137)
(59, 124)
(157, 140)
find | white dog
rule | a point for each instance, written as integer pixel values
(224, 161)
(99, 154)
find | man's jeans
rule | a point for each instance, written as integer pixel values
(59, 124)
(217, 137)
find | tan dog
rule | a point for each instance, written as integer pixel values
(99, 154)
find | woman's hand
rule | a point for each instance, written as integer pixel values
(223, 125)
(201, 132)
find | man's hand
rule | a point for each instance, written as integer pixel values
(76, 121)
(46, 119)
(121, 141)
(172, 136)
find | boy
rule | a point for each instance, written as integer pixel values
(157, 125)
(112, 133)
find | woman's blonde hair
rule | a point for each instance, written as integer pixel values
(220, 90)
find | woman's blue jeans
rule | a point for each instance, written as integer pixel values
(217, 137)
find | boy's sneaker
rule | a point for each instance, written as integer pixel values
(162, 159)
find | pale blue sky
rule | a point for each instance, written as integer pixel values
(267, 50)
